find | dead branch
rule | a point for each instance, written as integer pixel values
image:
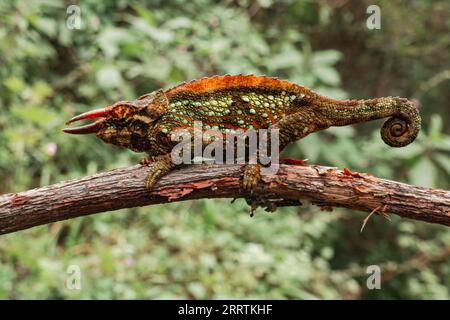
(124, 188)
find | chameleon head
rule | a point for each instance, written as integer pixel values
(127, 124)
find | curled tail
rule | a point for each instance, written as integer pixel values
(399, 130)
(403, 127)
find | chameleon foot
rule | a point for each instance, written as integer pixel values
(146, 161)
(252, 175)
(160, 166)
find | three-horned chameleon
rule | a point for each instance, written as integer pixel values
(228, 103)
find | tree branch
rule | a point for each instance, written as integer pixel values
(124, 188)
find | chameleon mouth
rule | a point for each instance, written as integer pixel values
(88, 128)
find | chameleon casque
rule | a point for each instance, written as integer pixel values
(227, 103)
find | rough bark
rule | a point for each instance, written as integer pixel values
(124, 188)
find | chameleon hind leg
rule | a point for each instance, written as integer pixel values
(252, 176)
(291, 128)
(159, 166)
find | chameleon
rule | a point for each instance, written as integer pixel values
(238, 102)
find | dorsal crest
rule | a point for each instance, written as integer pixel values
(209, 84)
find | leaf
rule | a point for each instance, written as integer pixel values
(443, 161)
(178, 23)
(434, 132)
(36, 114)
(444, 144)
(327, 75)
(408, 152)
(423, 173)
(110, 39)
(326, 58)
(197, 289)
(42, 89)
(158, 34)
(331, 92)
(108, 77)
(343, 132)
(312, 147)
(144, 13)
(159, 69)
(14, 84)
(288, 57)
(47, 26)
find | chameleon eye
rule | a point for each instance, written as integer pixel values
(122, 110)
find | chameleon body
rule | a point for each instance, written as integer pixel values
(229, 103)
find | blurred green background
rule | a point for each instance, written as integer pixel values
(211, 248)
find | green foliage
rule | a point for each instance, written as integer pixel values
(209, 248)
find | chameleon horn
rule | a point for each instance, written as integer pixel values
(89, 115)
(88, 128)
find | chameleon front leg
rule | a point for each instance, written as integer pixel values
(159, 166)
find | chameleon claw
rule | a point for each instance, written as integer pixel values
(146, 161)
